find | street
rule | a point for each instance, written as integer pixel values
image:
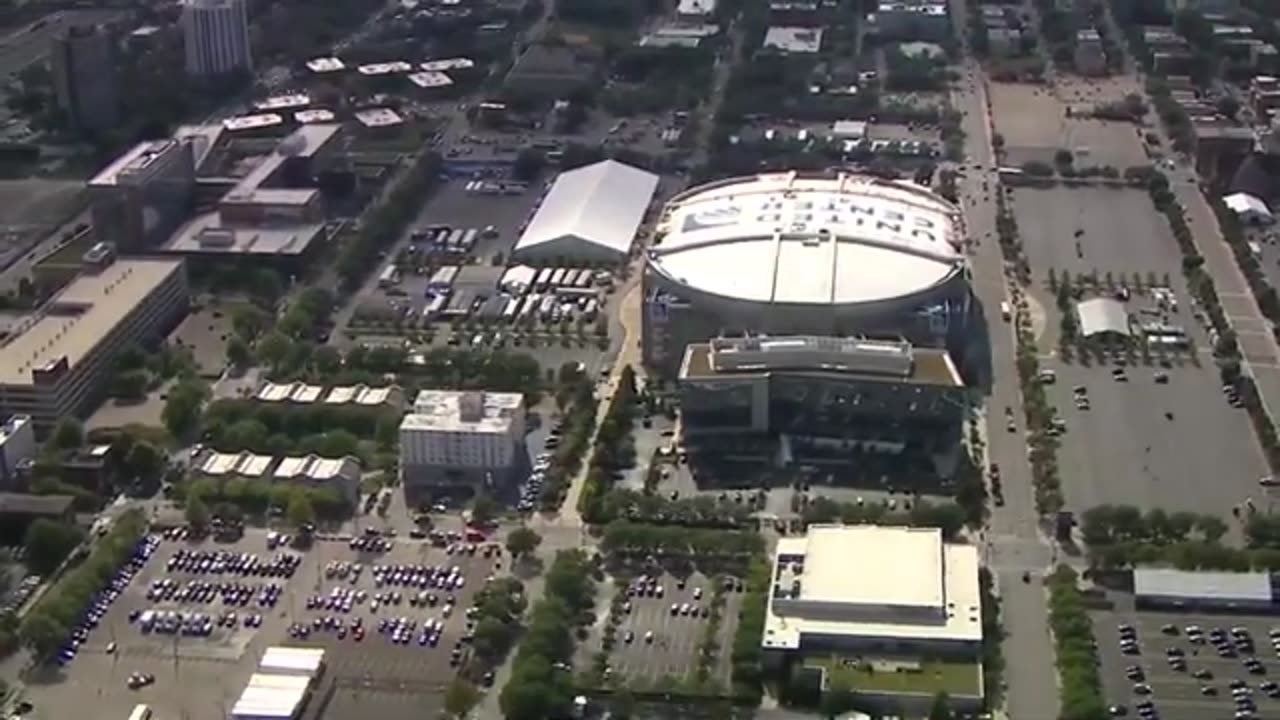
(1013, 541)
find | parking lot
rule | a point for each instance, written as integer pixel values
(199, 673)
(661, 626)
(1119, 231)
(1203, 688)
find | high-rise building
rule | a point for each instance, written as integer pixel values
(83, 64)
(143, 195)
(17, 444)
(216, 34)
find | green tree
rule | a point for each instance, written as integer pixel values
(47, 544)
(197, 512)
(484, 509)
(130, 384)
(522, 541)
(460, 697)
(492, 638)
(145, 462)
(181, 412)
(941, 708)
(300, 511)
(68, 434)
(43, 633)
(326, 360)
(274, 348)
(238, 352)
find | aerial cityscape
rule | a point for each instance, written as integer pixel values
(719, 359)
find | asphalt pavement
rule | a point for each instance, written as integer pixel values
(1013, 542)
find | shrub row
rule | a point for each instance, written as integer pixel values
(1077, 657)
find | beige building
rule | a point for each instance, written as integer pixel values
(460, 438)
(54, 363)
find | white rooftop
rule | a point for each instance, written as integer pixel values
(1243, 203)
(784, 238)
(603, 204)
(137, 160)
(296, 392)
(253, 122)
(696, 7)
(281, 102)
(286, 660)
(873, 582)
(243, 464)
(325, 64)
(314, 467)
(464, 411)
(379, 117)
(318, 115)
(794, 39)
(457, 63)
(397, 66)
(430, 79)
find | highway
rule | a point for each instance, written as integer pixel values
(1013, 543)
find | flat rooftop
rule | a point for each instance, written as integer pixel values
(873, 582)
(205, 234)
(136, 159)
(928, 366)
(442, 411)
(904, 570)
(76, 319)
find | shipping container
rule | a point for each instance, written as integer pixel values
(591, 309)
(544, 276)
(557, 277)
(454, 237)
(436, 304)
(443, 277)
(390, 276)
(548, 305)
(528, 305)
(512, 307)
(469, 239)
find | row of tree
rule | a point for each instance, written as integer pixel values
(576, 402)
(614, 449)
(385, 218)
(628, 538)
(49, 623)
(541, 685)
(206, 498)
(1042, 442)
(1080, 687)
(1201, 285)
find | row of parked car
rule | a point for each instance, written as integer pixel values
(100, 602)
(234, 593)
(221, 562)
(531, 488)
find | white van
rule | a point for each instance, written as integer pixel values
(1006, 312)
(140, 712)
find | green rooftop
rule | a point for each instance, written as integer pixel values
(901, 675)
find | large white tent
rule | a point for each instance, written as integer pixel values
(589, 215)
(1249, 208)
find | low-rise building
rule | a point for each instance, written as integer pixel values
(19, 510)
(550, 71)
(794, 39)
(56, 361)
(913, 20)
(299, 393)
(461, 438)
(342, 475)
(1090, 56)
(880, 598)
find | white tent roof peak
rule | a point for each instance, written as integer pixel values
(601, 204)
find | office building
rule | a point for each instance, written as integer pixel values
(143, 195)
(1090, 56)
(56, 362)
(272, 212)
(925, 20)
(216, 36)
(813, 254)
(82, 61)
(886, 599)
(822, 401)
(461, 438)
(551, 71)
(17, 445)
